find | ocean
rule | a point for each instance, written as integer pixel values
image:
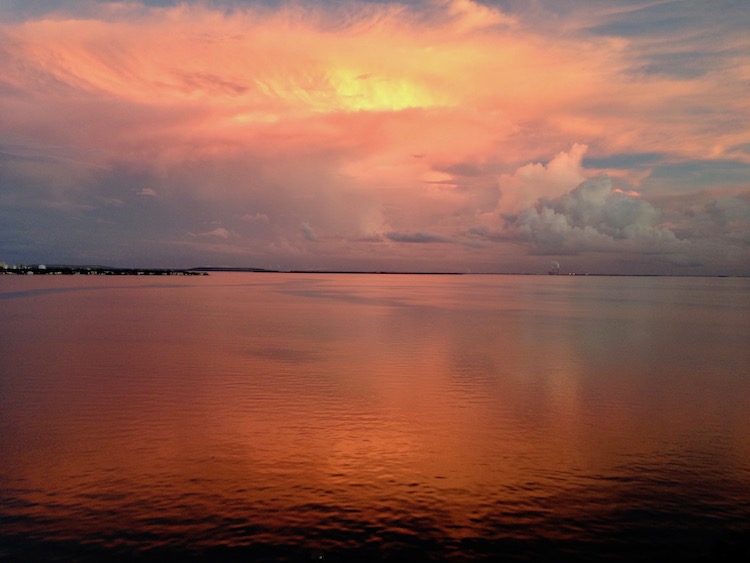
(359, 417)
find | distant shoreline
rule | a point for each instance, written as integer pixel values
(407, 273)
(95, 271)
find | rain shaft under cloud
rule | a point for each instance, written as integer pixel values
(428, 135)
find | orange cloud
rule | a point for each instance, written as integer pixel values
(356, 119)
(230, 78)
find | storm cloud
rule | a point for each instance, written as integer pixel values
(428, 135)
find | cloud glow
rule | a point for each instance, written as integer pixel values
(350, 134)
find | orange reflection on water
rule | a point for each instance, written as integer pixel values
(304, 409)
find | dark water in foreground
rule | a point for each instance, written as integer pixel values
(354, 417)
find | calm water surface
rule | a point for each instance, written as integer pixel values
(297, 417)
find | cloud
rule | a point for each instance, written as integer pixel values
(709, 217)
(373, 237)
(308, 232)
(416, 237)
(430, 121)
(536, 180)
(731, 215)
(594, 217)
(218, 232)
(255, 217)
(470, 16)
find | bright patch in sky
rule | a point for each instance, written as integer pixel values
(428, 135)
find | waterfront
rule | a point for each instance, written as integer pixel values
(374, 417)
(44, 270)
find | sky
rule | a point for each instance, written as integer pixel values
(424, 135)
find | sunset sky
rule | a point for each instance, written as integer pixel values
(427, 135)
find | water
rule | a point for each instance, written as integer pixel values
(266, 417)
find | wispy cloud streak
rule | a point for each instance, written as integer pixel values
(313, 134)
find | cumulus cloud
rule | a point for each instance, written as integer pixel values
(715, 217)
(593, 217)
(537, 180)
(731, 216)
(422, 120)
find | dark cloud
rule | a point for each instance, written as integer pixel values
(368, 238)
(624, 161)
(724, 219)
(416, 237)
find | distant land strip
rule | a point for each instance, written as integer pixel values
(73, 270)
(228, 269)
(42, 270)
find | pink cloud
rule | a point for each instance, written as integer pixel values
(376, 119)
(537, 180)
